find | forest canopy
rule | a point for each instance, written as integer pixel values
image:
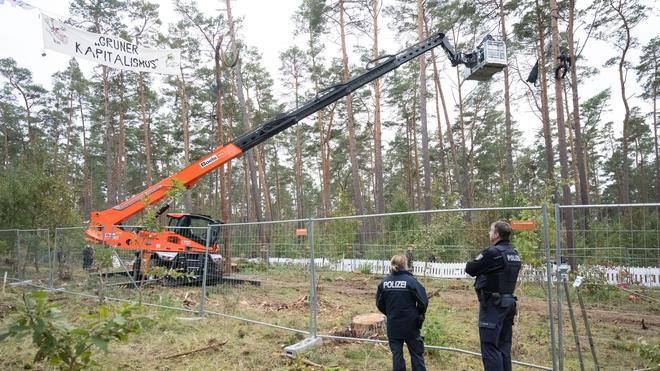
(420, 138)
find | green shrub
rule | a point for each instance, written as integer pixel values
(435, 330)
(62, 344)
(595, 286)
(249, 266)
(365, 269)
(649, 353)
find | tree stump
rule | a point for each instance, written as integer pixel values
(369, 325)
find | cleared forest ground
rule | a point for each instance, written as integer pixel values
(217, 342)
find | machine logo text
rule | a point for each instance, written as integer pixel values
(208, 161)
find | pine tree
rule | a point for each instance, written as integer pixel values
(615, 24)
(648, 73)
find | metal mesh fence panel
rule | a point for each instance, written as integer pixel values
(617, 237)
(616, 249)
(265, 270)
(8, 253)
(353, 254)
(84, 267)
(261, 272)
(33, 256)
(72, 259)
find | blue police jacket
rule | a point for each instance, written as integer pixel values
(496, 268)
(403, 300)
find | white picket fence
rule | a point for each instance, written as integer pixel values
(645, 276)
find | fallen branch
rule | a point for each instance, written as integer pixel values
(303, 360)
(642, 296)
(434, 293)
(212, 346)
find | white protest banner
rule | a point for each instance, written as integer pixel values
(107, 50)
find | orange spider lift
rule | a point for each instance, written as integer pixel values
(183, 248)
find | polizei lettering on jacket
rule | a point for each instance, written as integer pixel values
(208, 161)
(394, 284)
(513, 258)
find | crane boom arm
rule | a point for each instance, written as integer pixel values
(108, 219)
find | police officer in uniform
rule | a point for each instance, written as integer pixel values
(88, 257)
(496, 271)
(409, 257)
(403, 300)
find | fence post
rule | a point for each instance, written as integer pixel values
(101, 288)
(312, 275)
(50, 261)
(558, 262)
(19, 273)
(548, 270)
(206, 258)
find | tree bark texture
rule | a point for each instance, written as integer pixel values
(426, 158)
(567, 215)
(251, 169)
(579, 146)
(379, 198)
(508, 177)
(352, 146)
(545, 105)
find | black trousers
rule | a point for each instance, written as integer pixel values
(416, 350)
(495, 333)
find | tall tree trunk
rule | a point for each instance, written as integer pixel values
(415, 159)
(580, 151)
(440, 96)
(121, 141)
(146, 131)
(246, 192)
(450, 133)
(592, 177)
(261, 162)
(326, 134)
(509, 177)
(5, 131)
(300, 210)
(28, 114)
(111, 197)
(57, 130)
(625, 166)
(467, 195)
(225, 206)
(69, 133)
(324, 143)
(352, 146)
(87, 179)
(251, 169)
(571, 144)
(185, 127)
(379, 197)
(426, 157)
(561, 134)
(277, 214)
(545, 105)
(441, 141)
(410, 168)
(655, 135)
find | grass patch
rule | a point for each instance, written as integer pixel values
(282, 299)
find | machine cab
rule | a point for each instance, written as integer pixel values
(194, 226)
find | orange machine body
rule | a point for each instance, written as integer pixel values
(105, 226)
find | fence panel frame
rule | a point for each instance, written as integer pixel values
(562, 273)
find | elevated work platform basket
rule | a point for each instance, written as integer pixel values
(491, 59)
